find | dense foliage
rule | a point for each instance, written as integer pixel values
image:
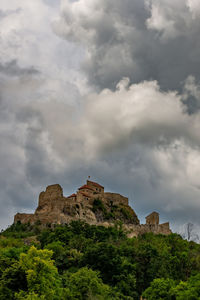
(113, 212)
(80, 261)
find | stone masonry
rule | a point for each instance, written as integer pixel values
(91, 204)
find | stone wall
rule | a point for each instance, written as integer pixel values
(116, 198)
(152, 219)
(54, 208)
(135, 230)
(25, 218)
(46, 199)
(99, 189)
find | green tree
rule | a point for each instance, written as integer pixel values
(105, 258)
(13, 280)
(159, 289)
(189, 290)
(85, 284)
(59, 254)
(42, 276)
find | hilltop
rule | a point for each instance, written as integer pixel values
(84, 262)
(93, 205)
(76, 247)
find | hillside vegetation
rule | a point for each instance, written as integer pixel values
(81, 261)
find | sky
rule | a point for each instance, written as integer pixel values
(102, 88)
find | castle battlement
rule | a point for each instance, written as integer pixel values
(91, 204)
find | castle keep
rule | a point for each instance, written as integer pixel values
(91, 204)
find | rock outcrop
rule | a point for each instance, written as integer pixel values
(91, 204)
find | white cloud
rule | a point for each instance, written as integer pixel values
(133, 131)
(140, 133)
(163, 20)
(194, 7)
(140, 113)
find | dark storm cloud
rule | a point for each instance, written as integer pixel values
(12, 68)
(140, 139)
(32, 74)
(142, 40)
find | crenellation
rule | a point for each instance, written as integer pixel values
(116, 198)
(91, 204)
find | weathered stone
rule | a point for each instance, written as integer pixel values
(152, 219)
(50, 200)
(25, 218)
(92, 205)
(116, 198)
(135, 230)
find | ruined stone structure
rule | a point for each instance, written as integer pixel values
(152, 219)
(91, 204)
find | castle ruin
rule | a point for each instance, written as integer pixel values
(91, 204)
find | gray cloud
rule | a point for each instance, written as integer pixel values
(34, 72)
(11, 68)
(142, 40)
(137, 139)
(134, 135)
(5, 13)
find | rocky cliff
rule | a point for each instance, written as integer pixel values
(91, 204)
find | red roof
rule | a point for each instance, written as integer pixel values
(85, 186)
(95, 184)
(73, 195)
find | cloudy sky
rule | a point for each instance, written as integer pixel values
(106, 88)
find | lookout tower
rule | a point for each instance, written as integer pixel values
(152, 219)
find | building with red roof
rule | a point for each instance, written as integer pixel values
(95, 186)
(86, 187)
(87, 191)
(72, 196)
